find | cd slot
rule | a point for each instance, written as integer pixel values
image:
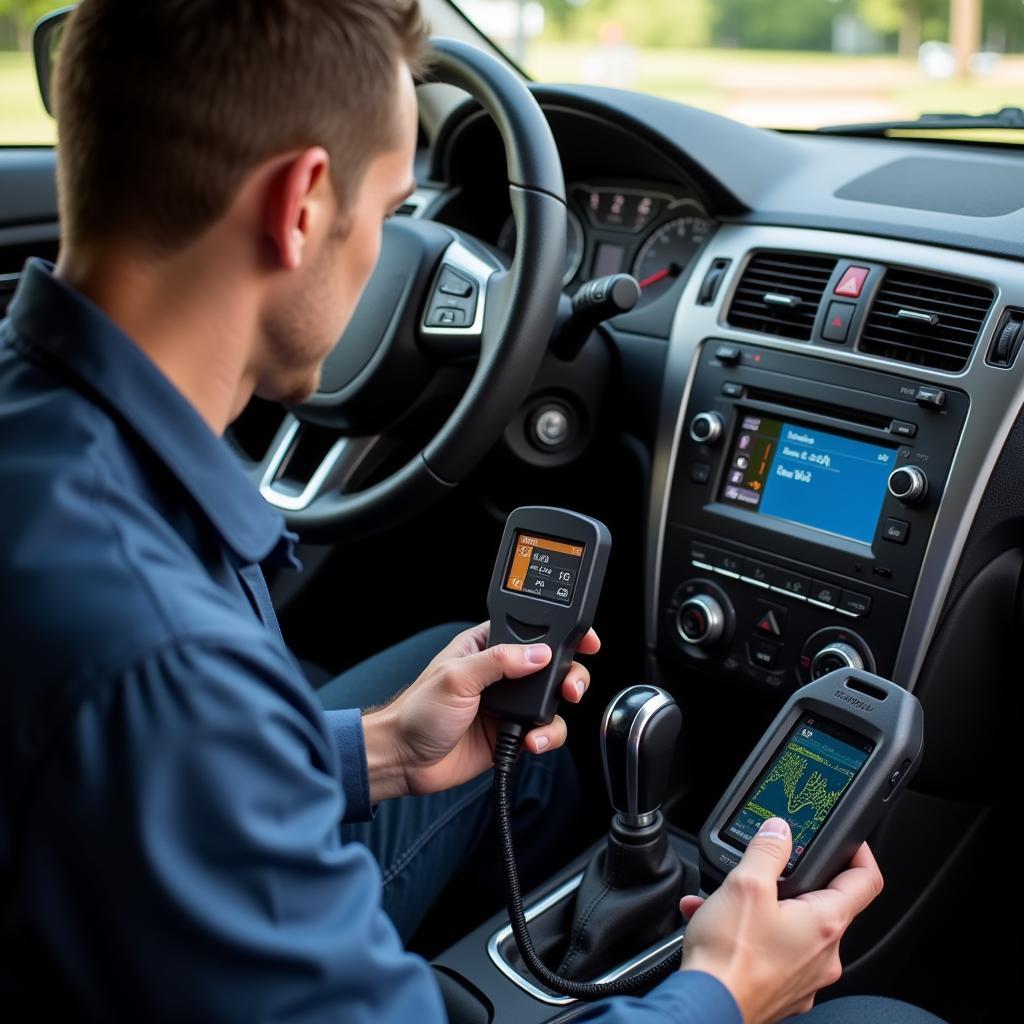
(844, 413)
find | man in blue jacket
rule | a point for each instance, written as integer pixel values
(178, 812)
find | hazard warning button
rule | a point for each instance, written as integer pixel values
(852, 282)
(837, 321)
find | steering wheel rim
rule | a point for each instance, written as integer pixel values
(520, 309)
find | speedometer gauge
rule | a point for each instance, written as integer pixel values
(573, 243)
(668, 252)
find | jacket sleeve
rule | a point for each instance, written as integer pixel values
(686, 997)
(183, 845)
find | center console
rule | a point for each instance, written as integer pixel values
(798, 515)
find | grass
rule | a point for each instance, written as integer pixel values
(22, 117)
(772, 88)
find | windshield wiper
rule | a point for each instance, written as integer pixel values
(1008, 117)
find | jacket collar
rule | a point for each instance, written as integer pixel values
(70, 329)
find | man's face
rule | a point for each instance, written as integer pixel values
(301, 332)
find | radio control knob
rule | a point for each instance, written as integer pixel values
(836, 655)
(706, 427)
(700, 621)
(909, 484)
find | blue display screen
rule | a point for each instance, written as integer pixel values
(808, 476)
(802, 783)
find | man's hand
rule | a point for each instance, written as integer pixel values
(773, 955)
(432, 737)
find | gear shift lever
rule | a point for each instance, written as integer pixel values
(638, 737)
(629, 896)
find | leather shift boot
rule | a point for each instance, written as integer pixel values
(628, 899)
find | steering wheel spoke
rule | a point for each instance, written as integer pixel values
(452, 324)
(306, 462)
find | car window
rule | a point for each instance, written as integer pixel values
(22, 117)
(796, 64)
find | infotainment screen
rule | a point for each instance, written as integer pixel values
(808, 476)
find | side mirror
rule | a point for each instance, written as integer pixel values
(46, 38)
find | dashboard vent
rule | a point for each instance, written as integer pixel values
(779, 293)
(926, 320)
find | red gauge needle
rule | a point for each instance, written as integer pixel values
(672, 270)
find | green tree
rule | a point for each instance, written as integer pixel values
(17, 18)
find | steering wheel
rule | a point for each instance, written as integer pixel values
(437, 298)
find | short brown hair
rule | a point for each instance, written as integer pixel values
(164, 106)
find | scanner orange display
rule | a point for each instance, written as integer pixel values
(544, 567)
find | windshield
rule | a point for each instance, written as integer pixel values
(798, 64)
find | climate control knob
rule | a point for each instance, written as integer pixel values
(836, 655)
(700, 621)
(706, 427)
(909, 484)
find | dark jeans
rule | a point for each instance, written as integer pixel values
(865, 1010)
(422, 842)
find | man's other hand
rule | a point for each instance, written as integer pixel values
(432, 736)
(774, 955)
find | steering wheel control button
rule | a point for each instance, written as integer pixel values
(700, 472)
(901, 428)
(909, 484)
(837, 321)
(791, 584)
(930, 398)
(763, 653)
(854, 604)
(447, 318)
(706, 427)
(852, 282)
(824, 594)
(551, 427)
(454, 284)
(896, 531)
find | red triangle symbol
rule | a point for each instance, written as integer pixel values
(837, 321)
(847, 288)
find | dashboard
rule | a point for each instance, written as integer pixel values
(838, 389)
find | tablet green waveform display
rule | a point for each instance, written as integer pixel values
(802, 784)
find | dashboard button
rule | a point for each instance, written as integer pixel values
(902, 428)
(932, 398)
(838, 320)
(853, 603)
(757, 572)
(791, 584)
(731, 389)
(824, 593)
(726, 562)
(700, 554)
(771, 619)
(763, 653)
(700, 472)
(896, 531)
(727, 354)
(852, 282)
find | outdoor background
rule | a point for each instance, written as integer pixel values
(777, 63)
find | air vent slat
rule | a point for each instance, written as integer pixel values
(960, 308)
(801, 275)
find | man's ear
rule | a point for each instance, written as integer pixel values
(295, 202)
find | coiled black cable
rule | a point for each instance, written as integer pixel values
(506, 748)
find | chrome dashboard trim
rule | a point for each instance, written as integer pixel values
(996, 396)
